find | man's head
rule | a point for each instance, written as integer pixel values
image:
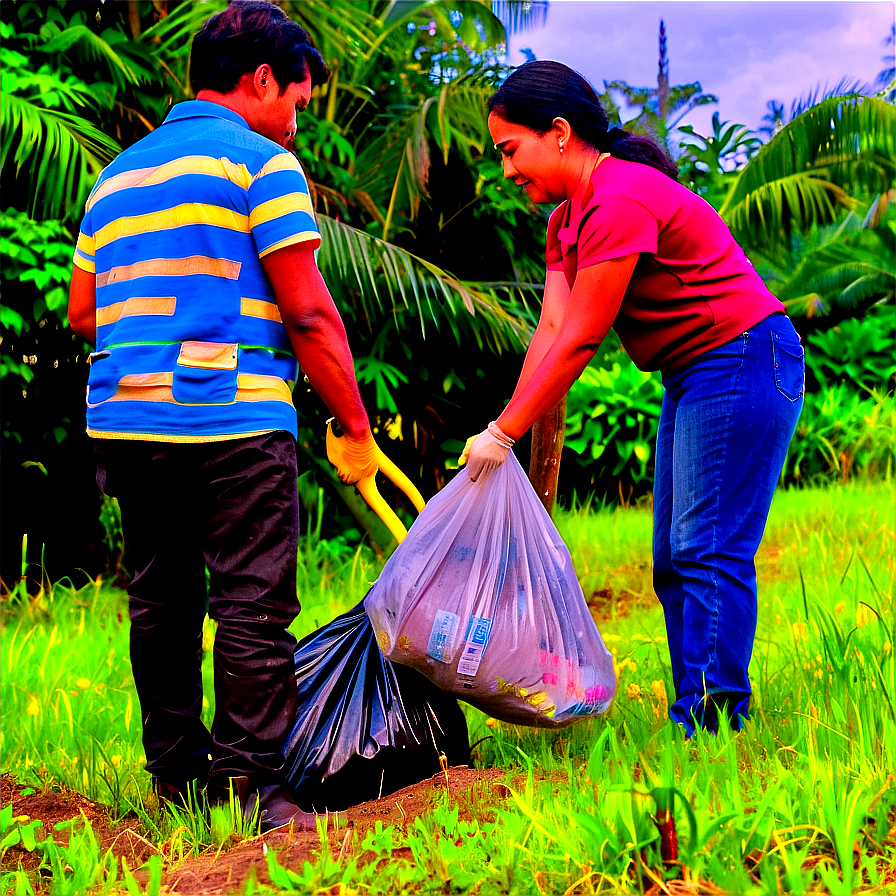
(246, 35)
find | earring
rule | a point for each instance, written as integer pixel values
(561, 149)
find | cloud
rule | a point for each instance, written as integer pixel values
(746, 53)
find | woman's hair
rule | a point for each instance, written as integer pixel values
(538, 92)
(245, 35)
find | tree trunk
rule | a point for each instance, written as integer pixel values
(134, 19)
(544, 463)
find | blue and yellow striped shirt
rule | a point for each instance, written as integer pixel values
(190, 343)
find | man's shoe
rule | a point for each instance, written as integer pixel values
(276, 809)
(220, 788)
(182, 796)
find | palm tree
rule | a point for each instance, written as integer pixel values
(664, 106)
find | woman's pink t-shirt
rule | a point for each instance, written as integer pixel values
(693, 289)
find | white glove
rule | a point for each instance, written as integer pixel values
(487, 451)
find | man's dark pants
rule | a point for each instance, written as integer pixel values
(231, 506)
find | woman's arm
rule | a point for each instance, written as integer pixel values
(553, 309)
(589, 312)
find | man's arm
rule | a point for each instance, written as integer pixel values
(82, 304)
(317, 334)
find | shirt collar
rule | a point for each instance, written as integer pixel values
(204, 109)
(570, 223)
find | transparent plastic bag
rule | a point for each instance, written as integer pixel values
(482, 598)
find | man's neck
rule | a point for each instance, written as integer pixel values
(235, 101)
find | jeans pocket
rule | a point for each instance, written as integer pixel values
(790, 365)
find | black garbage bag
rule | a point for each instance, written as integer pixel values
(365, 727)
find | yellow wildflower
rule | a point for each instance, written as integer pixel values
(864, 615)
(83, 683)
(33, 707)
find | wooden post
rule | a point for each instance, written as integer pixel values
(544, 462)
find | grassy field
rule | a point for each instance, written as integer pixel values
(801, 801)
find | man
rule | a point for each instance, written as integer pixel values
(195, 277)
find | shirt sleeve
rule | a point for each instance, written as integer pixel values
(553, 255)
(280, 210)
(85, 249)
(614, 227)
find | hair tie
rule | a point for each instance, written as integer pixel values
(613, 135)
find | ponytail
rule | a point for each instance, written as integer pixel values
(538, 92)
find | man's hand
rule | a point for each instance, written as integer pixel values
(354, 459)
(486, 452)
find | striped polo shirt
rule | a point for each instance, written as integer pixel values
(190, 343)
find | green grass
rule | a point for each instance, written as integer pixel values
(801, 801)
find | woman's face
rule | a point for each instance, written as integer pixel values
(531, 160)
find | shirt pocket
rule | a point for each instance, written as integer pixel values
(790, 365)
(206, 373)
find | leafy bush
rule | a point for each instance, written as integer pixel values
(612, 416)
(860, 352)
(843, 434)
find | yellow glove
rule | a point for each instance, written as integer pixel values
(354, 459)
(466, 452)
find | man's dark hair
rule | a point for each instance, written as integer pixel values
(247, 34)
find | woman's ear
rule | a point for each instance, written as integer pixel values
(561, 132)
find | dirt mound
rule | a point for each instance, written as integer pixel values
(220, 872)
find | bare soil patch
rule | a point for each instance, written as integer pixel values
(221, 872)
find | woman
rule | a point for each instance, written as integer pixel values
(630, 248)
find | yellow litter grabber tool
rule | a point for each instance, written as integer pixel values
(370, 493)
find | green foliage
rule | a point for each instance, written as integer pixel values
(50, 114)
(843, 433)
(812, 167)
(706, 169)
(800, 801)
(839, 270)
(857, 352)
(37, 267)
(76, 867)
(612, 415)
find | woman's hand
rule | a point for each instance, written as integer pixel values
(486, 452)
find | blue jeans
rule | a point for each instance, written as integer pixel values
(726, 421)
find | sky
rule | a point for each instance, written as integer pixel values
(744, 52)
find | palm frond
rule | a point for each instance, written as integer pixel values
(95, 47)
(843, 266)
(844, 87)
(172, 35)
(56, 149)
(862, 288)
(807, 170)
(383, 279)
